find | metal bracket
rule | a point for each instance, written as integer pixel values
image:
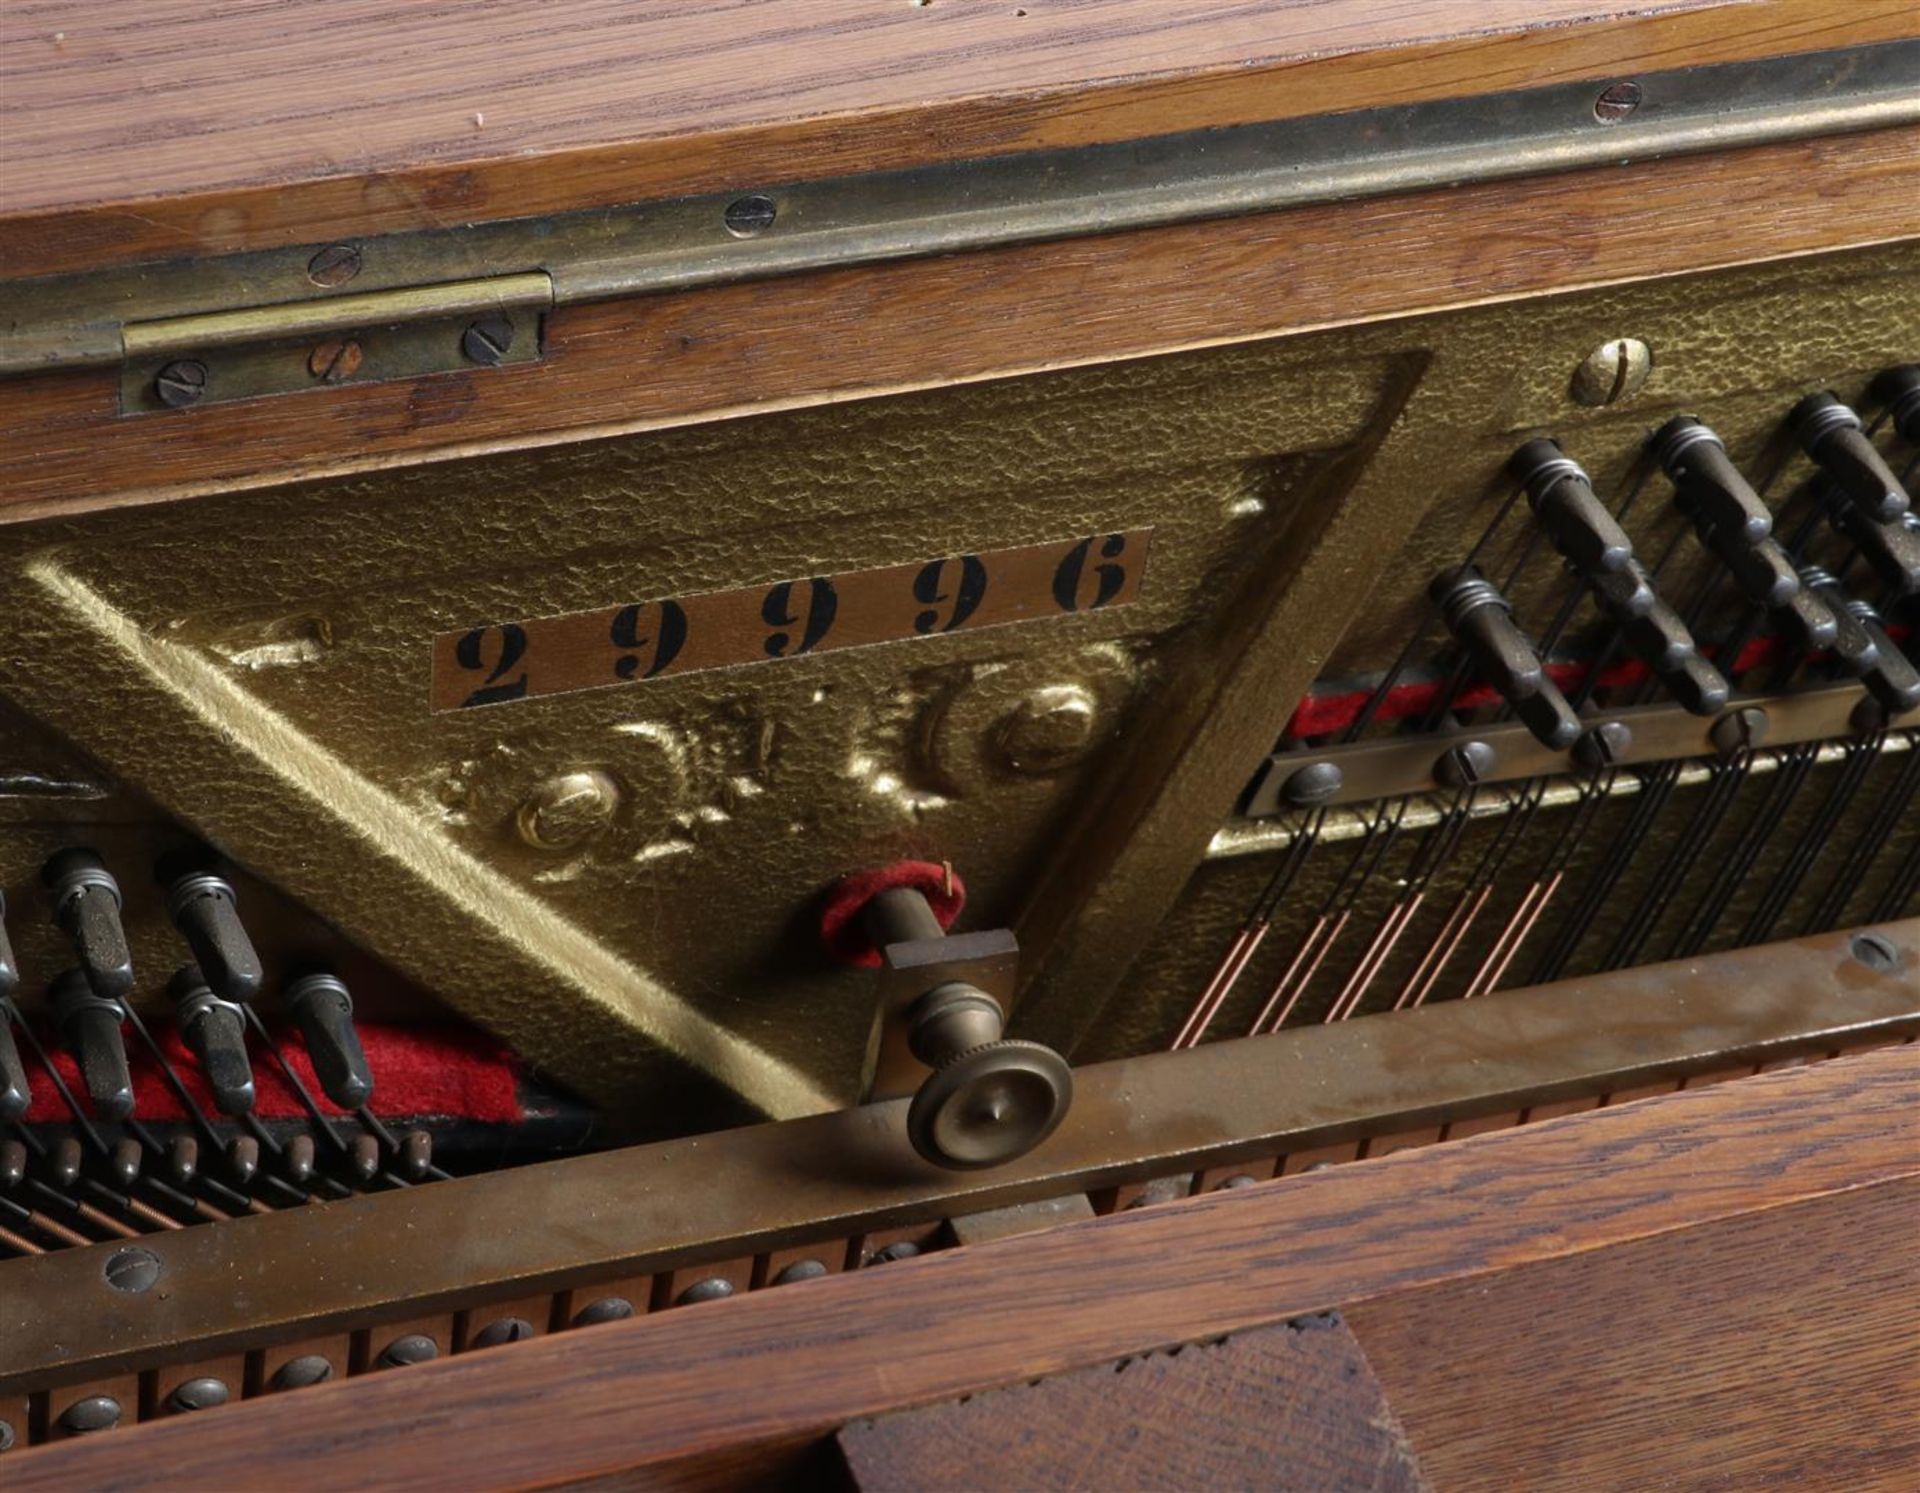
(1395, 765)
(220, 356)
(989, 961)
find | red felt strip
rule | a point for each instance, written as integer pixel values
(845, 931)
(418, 1072)
(1322, 715)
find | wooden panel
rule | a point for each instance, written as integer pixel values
(1776, 1350)
(1293, 1407)
(629, 365)
(193, 126)
(778, 1366)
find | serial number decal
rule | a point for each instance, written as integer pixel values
(643, 640)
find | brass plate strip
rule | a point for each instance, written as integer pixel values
(636, 642)
(68, 321)
(650, 1208)
(1393, 766)
(304, 320)
(308, 345)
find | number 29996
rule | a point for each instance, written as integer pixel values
(497, 662)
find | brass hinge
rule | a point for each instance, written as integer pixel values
(140, 314)
(217, 356)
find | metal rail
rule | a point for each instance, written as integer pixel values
(77, 320)
(263, 1280)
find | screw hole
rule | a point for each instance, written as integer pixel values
(1878, 953)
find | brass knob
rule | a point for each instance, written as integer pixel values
(989, 1099)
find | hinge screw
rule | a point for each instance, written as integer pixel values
(746, 216)
(181, 383)
(1617, 101)
(487, 341)
(334, 362)
(334, 266)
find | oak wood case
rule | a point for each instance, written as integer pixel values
(1759, 1200)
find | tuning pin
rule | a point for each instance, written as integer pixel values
(1834, 437)
(1735, 526)
(86, 907)
(214, 1029)
(1625, 595)
(15, 1096)
(90, 1026)
(1854, 648)
(1863, 648)
(1892, 550)
(64, 1161)
(1659, 639)
(1707, 485)
(1564, 501)
(1808, 618)
(204, 909)
(183, 1156)
(297, 1159)
(1762, 571)
(1899, 390)
(1895, 683)
(1481, 619)
(320, 1004)
(9, 970)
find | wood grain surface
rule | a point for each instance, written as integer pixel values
(183, 126)
(627, 365)
(781, 1368)
(1291, 1409)
(1776, 1350)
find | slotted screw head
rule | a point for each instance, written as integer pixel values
(181, 383)
(1617, 101)
(1617, 369)
(1604, 745)
(1745, 728)
(94, 1413)
(335, 362)
(487, 341)
(415, 1347)
(199, 1394)
(1315, 783)
(334, 265)
(132, 1270)
(298, 1373)
(713, 1288)
(603, 1309)
(746, 216)
(503, 1330)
